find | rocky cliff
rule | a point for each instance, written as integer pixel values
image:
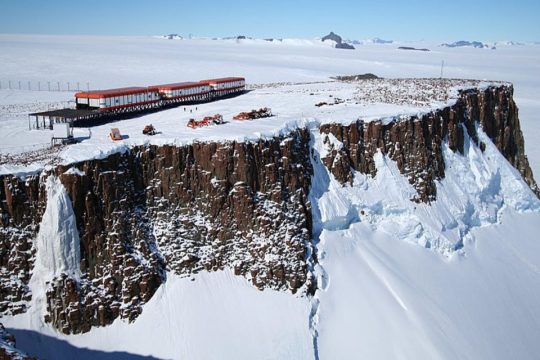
(209, 206)
(415, 143)
(205, 206)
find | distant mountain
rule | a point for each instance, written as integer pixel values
(173, 37)
(332, 36)
(509, 43)
(338, 40)
(344, 46)
(412, 48)
(370, 41)
(463, 43)
(381, 41)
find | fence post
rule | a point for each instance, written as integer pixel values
(19, 84)
(9, 84)
(58, 82)
(49, 85)
(29, 86)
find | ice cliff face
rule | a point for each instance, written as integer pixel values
(206, 206)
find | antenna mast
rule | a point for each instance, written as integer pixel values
(442, 68)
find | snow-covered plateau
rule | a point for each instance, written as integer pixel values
(397, 219)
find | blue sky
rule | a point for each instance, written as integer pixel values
(484, 20)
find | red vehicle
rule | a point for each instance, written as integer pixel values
(254, 114)
(206, 121)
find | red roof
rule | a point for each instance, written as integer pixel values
(174, 86)
(222, 80)
(98, 94)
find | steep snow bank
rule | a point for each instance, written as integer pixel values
(388, 299)
(211, 316)
(384, 297)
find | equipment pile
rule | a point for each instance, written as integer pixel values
(254, 114)
(206, 121)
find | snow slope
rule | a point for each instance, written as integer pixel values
(388, 299)
(211, 316)
(458, 278)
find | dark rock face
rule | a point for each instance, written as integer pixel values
(332, 36)
(415, 143)
(344, 46)
(205, 206)
(22, 203)
(366, 76)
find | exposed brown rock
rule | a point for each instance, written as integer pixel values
(415, 143)
(204, 206)
(22, 203)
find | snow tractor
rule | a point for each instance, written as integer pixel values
(217, 119)
(254, 114)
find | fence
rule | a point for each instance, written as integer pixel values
(32, 85)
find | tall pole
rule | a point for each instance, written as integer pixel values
(442, 68)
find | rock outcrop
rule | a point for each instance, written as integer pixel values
(415, 143)
(22, 203)
(204, 206)
(338, 40)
